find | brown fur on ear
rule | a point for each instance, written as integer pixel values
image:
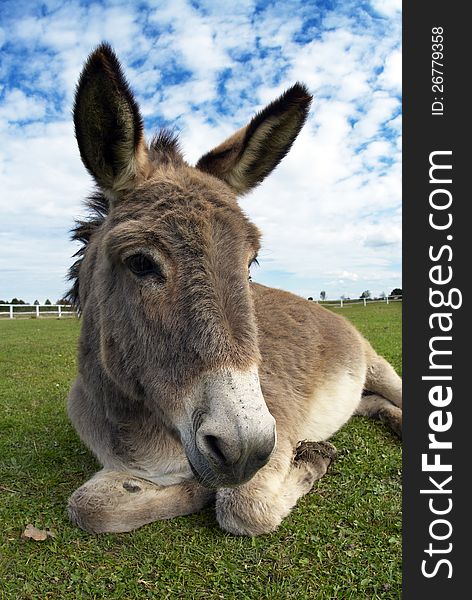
(108, 125)
(249, 155)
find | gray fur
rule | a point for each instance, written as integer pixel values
(195, 384)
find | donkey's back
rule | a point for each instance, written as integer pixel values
(316, 367)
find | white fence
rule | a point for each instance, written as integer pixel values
(365, 301)
(10, 311)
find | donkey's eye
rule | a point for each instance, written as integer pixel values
(142, 266)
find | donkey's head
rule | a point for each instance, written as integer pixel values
(166, 270)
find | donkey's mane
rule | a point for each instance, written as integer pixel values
(97, 205)
(164, 148)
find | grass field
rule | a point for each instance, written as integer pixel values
(342, 541)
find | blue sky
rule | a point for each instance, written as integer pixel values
(331, 212)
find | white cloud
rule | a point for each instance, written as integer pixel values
(391, 78)
(42, 178)
(388, 8)
(17, 106)
(330, 214)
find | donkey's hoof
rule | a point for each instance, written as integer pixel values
(312, 452)
(393, 418)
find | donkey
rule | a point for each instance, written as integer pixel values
(194, 383)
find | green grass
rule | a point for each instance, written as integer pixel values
(342, 541)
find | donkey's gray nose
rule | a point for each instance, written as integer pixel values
(220, 452)
(236, 460)
(235, 435)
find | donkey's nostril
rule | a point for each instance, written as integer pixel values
(213, 444)
(220, 452)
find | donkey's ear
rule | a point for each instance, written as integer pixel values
(249, 155)
(108, 125)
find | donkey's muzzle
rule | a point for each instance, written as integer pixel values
(235, 461)
(235, 433)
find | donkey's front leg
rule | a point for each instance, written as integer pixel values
(259, 505)
(115, 501)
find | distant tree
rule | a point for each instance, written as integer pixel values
(366, 294)
(16, 301)
(36, 302)
(47, 301)
(343, 297)
(323, 295)
(396, 292)
(382, 296)
(310, 298)
(63, 302)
